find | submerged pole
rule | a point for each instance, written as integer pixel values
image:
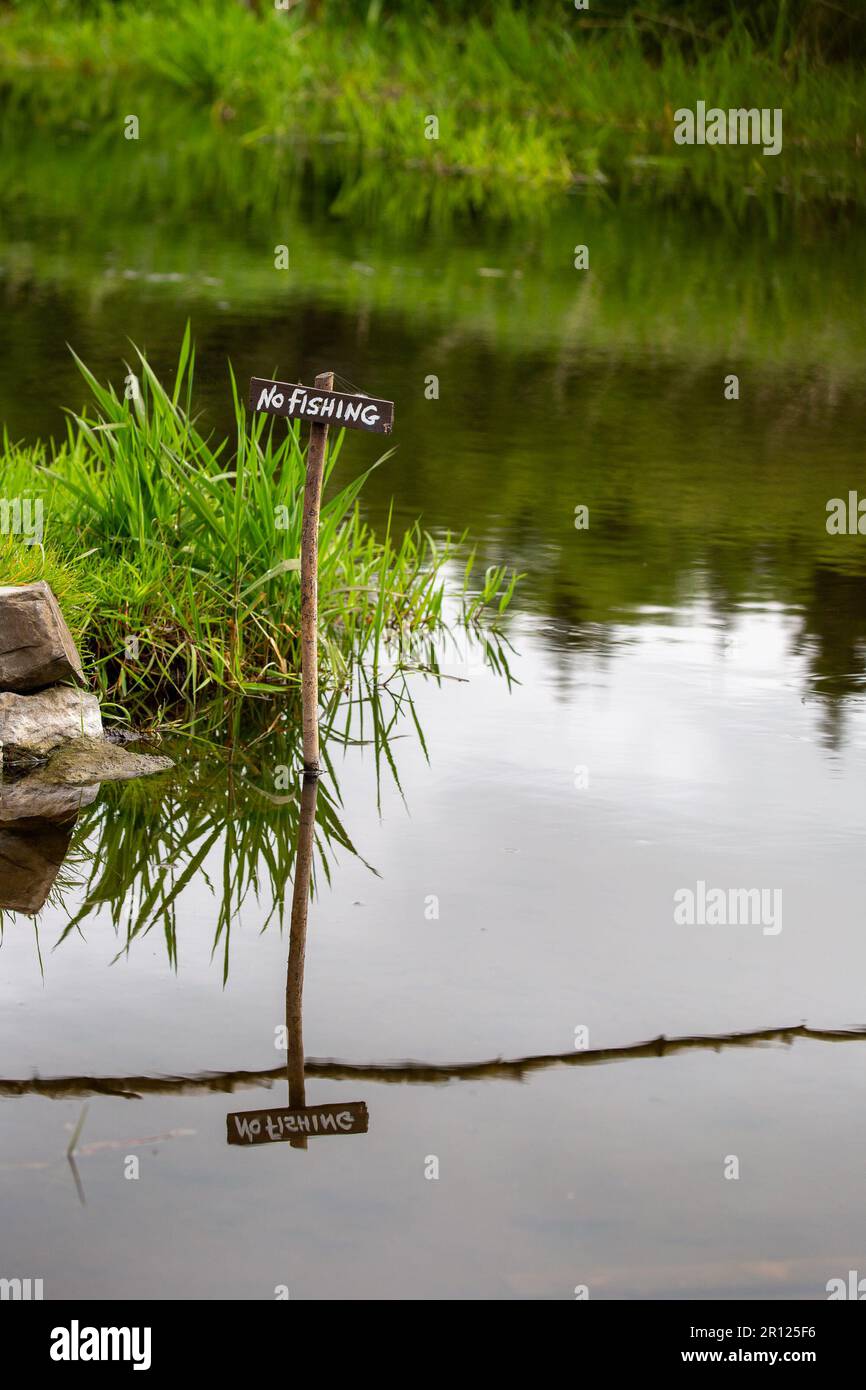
(295, 1071)
(310, 587)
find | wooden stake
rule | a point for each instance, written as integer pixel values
(298, 948)
(310, 586)
(300, 1120)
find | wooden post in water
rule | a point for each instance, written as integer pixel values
(295, 1124)
(298, 949)
(358, 412)
(310, 586)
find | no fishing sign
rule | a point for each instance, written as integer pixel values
(296, 1122)
(321, 407)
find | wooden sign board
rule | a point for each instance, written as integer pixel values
(321, 407)
(272, 1126)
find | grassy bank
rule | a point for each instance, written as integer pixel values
(175, 556)
(542, 100)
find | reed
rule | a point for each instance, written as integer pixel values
(179, 558)
(540, 99)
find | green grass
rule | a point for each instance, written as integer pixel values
(175, 556)
(531, 101)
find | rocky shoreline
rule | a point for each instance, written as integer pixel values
(54, 753)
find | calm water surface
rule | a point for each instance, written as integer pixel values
(686, 703)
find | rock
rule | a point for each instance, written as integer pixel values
(90, 760)
(36, 646)
(38, 813)
(31, 803)
(31, 726)
(29, 864)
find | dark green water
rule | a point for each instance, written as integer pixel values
(687, 706)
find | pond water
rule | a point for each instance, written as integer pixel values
(686, 705)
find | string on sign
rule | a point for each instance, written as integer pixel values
(349, 385)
